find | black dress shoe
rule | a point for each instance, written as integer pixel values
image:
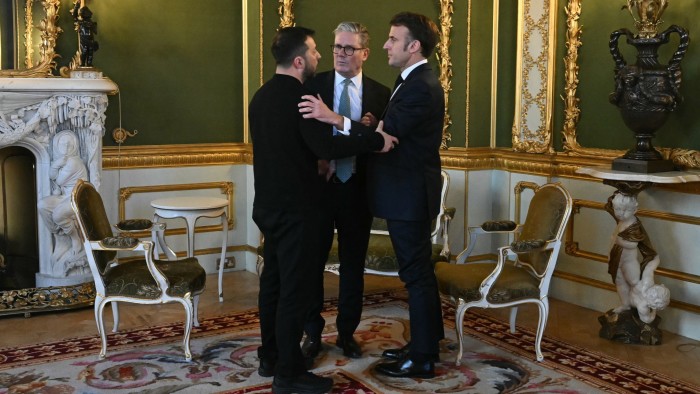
(407, 368)
(397, 353)
(306, 383)
(402, 353)
(311, 347)
(266, 368)
(350, 347)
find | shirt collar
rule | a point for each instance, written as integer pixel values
(356, 80)
(404, 73)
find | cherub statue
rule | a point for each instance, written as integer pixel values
(632, 275)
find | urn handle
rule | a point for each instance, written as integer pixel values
(615, 51)
(675, 62)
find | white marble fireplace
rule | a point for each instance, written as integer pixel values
(53, 117)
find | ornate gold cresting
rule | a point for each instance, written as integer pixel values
(648, 15)
(687, 158)
(443, 56)
(49, 33)
(286, 13)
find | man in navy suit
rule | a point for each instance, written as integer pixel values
(404, 184)
(345, 204)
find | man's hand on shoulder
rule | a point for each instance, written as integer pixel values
(312, 107)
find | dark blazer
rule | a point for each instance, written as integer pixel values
(405, 183)
(286, 147)
(374, 99)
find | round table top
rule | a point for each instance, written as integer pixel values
(189, 203)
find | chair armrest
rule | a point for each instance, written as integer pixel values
(132, 225)
(475, 231)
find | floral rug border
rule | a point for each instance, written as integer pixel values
(591, 367)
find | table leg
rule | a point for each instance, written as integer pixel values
(224, 233)
(191, 222)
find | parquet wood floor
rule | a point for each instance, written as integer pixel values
(677, 356)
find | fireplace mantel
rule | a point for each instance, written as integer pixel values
(32, 112)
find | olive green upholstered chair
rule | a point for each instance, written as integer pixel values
(523, 269)
(142, 280)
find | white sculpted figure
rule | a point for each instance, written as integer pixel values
(633, 260)
(68, 256)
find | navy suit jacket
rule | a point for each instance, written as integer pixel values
(375, 97)
(405, 183)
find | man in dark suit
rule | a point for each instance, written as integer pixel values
(404, 184)
(345, 201)
(286, 149)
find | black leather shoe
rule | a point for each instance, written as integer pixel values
(407, 369)
(402, 353)
(397, 353)
(311, 347)
(306, 383)
(266, 368)
(350, 347)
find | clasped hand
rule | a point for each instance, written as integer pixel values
(312, 107)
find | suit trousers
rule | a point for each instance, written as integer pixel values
(413, 248)
(291, 256)
(345, 209)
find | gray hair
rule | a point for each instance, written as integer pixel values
(354, 27)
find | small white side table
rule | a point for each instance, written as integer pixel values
(191, 209)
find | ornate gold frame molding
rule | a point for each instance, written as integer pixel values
(683, 157)
(157, 156)
(49, 33)
(532, 125)
(286, 14)
(226, 188)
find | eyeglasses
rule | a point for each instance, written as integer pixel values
(349, 51)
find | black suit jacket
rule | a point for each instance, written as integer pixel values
(405, 183)
(375, 97)
(286, 147)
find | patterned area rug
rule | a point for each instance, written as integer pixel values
(150, 360)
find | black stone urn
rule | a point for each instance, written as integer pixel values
(646, 92)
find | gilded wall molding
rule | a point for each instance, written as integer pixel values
(158, 156)
(226, 188)
(286, 13)
(686, 158)
(443, 56)
(532, 127)
(468, 72)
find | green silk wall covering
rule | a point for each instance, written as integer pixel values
(177, 64)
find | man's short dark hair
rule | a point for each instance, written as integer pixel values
(288, 43)
(420, 28)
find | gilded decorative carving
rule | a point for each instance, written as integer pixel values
(443, 55)
(154, 156)
(533, 102)
(38, 299)
(49, 33)
(686, 158)
(468, 71)
(286, 13)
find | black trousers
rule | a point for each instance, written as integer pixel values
(345, 209)
(412, 245)
(291, 258)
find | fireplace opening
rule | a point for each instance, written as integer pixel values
(19, 244)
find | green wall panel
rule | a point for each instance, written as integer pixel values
(177, 65)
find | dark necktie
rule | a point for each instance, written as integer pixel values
(398, 83)
(343, 167)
